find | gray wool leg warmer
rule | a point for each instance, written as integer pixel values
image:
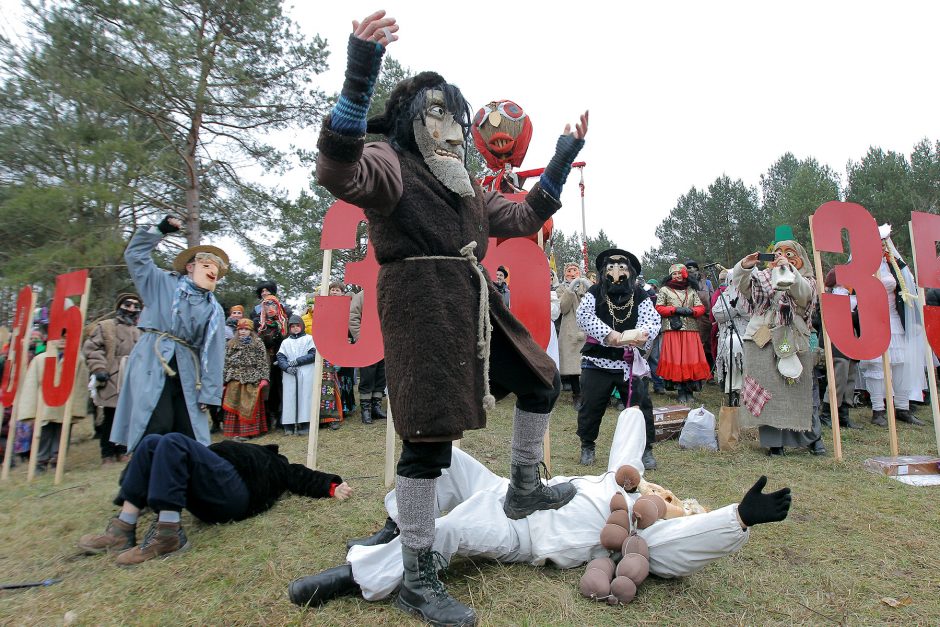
(416, 504)
(528, 429)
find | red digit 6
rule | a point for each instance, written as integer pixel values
(22, 321)
(330, 332)
(65, 322)
(926, 229)
(865, 245)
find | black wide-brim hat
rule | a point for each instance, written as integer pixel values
(601, 260)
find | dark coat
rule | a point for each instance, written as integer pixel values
(267, 474)
(429, 326)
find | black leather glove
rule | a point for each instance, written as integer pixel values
(102, 375)
(165, 227)
(757, 508)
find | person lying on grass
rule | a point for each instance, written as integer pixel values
(475, 525)
(224, 482)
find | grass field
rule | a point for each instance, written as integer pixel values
(852, 539)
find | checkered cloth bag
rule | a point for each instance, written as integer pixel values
(754, 396)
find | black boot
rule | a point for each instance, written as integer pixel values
(423, 594)
(587, 455)
(527, 493)
(320, 588)
(383, 536)
(825, 416)
(845, 421)
(879, 417)
(366, 412)
(377, 413)
(649, 462)
(905, 415)
(817, 447)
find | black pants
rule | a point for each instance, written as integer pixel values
(574, 381)
(109, 448)
(596, 387)
(508, 373)
(171, 414)
(172, 472)
(372, 381)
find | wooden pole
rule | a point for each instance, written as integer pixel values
(547, 438)
(67, 408)
(316, 392)
(389, 448)
(889, 403)
(23, 350)
(830, 369)
(37, 429)
(931, 371)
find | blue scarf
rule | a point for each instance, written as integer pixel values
(186, 287)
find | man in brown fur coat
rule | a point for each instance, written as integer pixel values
(451, 346)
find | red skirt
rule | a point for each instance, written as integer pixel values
(681, 357)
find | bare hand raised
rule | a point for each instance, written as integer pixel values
(175, 222)
(750, 261)
(580, 129)
(376, 28)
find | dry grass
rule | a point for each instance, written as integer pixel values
(852, 538)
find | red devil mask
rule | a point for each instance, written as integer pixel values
(501, 132)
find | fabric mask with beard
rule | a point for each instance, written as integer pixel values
(440, 140)
(129, 312)
(618, 277)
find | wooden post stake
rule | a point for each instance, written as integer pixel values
(931, 371)
(23, 350)
(830, 368)
(67, 408)
(547, 438)
(889, 403)
(316, 392)
(389, 448)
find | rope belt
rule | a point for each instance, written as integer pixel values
(484, 326)
(161, 335)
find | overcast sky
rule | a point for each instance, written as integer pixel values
(679, 92)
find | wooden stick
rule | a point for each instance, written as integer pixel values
(830, 368)
(547, 438)
(889, 403)
(23, 348)
(37, 429)
(931, 371)
(67, 408)
(316, 392)
(389, 448)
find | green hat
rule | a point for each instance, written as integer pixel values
(783, 232)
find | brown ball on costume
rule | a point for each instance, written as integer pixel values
(612, 537)
(660, 504)
(634, 566)
(604, 564)
(619, 501)
(619, 517)
(635, 544)
(595, 584)
(623, 589)
(628, 477)
(645, 512)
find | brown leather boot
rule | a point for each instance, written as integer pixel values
(119, 536)
(162, 540)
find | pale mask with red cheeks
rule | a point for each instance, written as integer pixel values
(572, 273)
(205, 274)
(791, 255)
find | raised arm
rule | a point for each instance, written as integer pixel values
(149, 280)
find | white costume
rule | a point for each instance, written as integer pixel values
(730, 311)
(475, 524)
(297, 387)
(906, 350)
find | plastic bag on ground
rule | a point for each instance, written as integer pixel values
(699, 431)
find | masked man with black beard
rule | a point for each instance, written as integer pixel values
(109, 342)
(620, 320)
(451, 346)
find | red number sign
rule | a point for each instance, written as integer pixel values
(332, 312)
(22, 321)
(526, 262)
(865, 245)
(64, 322)
(926, 230)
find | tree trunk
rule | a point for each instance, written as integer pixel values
(191, 221)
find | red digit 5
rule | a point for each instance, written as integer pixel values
(865, 245)
(926, 230)
(64, 322)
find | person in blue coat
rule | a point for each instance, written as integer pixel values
(174, 372)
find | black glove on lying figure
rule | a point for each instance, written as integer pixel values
(757, 508)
